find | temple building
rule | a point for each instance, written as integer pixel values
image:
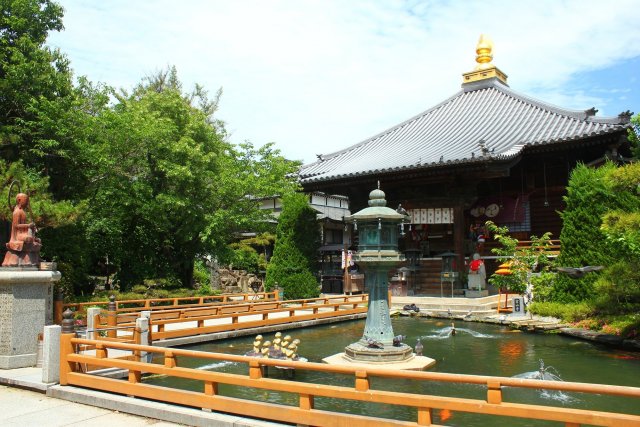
(486, 153)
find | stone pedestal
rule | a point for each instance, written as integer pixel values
(25, 294)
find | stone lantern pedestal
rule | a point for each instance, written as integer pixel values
(26, 306)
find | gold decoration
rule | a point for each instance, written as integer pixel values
(485, 68)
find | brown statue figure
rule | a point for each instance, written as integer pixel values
(23, 248)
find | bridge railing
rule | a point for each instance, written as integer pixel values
(152, 304)
(177, 323)
(423, 405)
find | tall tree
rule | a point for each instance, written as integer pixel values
(296, 250)
(37, 98)
(170, 187)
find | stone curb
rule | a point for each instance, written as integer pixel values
(156, 410)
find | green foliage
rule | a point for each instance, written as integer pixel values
(169, 187)
(618, 288)
(201, 275)
(245, 254)
(543, 285)
(571, 312)
(522, 260)
(300, 285)
(634, 135)
(296, 249)
(590, 195)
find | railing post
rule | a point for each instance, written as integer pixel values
(210, 388)
(51, 354)
(147, 315)
(66, 347)
(101, 351)
(362, 381)
(255, 373)
(424, 417)
(93, 322)
(494, 392)
(58, 304)
(306, 402)
(141, 337)
(112, 320)
(169, 360)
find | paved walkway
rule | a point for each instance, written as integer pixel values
(23, 408)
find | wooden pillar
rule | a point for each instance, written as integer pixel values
(458, 236)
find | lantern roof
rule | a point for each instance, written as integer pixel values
(377, 209)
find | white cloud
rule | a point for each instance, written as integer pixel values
(317, 76)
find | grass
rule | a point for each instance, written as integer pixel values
(584, 315)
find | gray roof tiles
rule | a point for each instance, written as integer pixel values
(451, 132)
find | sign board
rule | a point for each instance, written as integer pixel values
(518, 307)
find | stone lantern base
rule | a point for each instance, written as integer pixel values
(359, 352)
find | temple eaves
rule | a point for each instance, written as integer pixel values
(485, 68)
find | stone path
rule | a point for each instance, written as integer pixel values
(23, 408)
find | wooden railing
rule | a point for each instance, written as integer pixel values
(185, 322)
(305, 413)
(137, 305)
(552, 250)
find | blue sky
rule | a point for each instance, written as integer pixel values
(315, 76)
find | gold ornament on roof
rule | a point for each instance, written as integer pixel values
(483, 50)
(485, 68)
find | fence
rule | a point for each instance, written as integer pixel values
(136, 305)
(305, 413)
(185, 322)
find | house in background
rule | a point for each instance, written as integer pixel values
(486, 153)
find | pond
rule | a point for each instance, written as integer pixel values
(476, 348)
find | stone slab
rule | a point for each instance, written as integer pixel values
(156, 410)
(18, 361)
(417, 363)
(474, 293)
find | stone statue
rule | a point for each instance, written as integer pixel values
(477, 273)
(23, 248)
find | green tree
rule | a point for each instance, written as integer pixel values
(38, 104)
(522, 260)
(42, 120)
(590, 195)
(170, 188)
(296, 250)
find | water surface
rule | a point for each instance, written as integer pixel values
(476, 348)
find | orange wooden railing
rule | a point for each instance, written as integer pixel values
(305, 413)
(151, 304)
(185, 322)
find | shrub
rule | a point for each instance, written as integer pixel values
(566, 312)
(618, 288)
(590, 195)
(300, 286)
(543, 284)
(296, 249)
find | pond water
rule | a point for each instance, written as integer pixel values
(478, 349)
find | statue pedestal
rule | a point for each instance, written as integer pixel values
(26, 298)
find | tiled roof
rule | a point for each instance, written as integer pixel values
(484, 121)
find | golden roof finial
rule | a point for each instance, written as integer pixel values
(485, 68)
(483, 50)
